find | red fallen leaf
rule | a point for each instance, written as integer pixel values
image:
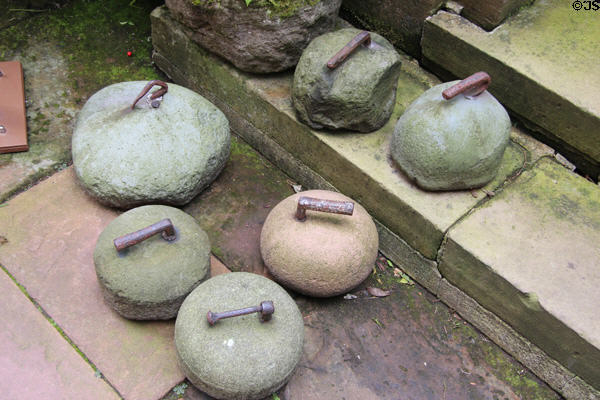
(373, 291)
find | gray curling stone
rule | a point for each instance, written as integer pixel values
(149, 279)
(324, 254)
(455, 142)
(356, 94)
(126, 157)
(241, 357)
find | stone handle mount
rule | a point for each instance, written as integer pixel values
(474, 85)
(340, 56)
(155, 102)
(266, 310)
(165, 227)
(330, 206)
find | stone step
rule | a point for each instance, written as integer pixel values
(412, 223)
(531, 255)
(544, 68)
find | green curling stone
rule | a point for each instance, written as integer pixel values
(241, 357)
(453, 136)
(129, 152)
(149, 279)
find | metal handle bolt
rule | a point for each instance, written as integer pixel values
(330, 206)
(165, 227)
(155, 95)
(340, 56)
(266, 310)
(475, 84)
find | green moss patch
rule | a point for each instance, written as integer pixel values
(280, 8)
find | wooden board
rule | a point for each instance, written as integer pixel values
(13, 137)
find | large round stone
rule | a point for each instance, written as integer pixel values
(151, 279)
(327, 254)
(264, 36)
(239, 357)
(357, 95)
(125, 158)
(451, 144)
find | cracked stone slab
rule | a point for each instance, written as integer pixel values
(544, 67)
(35, 360)
(356, 164)
(530, 255)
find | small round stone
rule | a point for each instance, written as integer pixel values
(239, 357)
(451, 144)
(126, 158)
(327, 254)
(358, 95)
(151, 279)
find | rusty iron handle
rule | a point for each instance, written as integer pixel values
(330, 206)
(340, 56)
(266, 310)
(165, 227)
(476, 83)
(164, 89)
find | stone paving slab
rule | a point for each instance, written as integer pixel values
(51, 231)
(356, 164)
(531, 256)
(35, 361)
(544, 67)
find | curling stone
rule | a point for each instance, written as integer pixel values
(353, 88)
(239, 336)
(145, 275)
(163, 149)
(453, 136)
(319, 243)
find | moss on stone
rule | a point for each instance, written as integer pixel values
(279, 8)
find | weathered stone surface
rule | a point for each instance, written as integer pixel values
(551, 371)
(260, 37)
(354, 163)
(151, 279)
(358, 95)
(531, 256)
(323, 256)
(241, 357)
(36, 362)
(125, 158)
(451, 144)
(407, 345)
(489, 14)
(555, 94)
(401, 22)
(48, 134)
